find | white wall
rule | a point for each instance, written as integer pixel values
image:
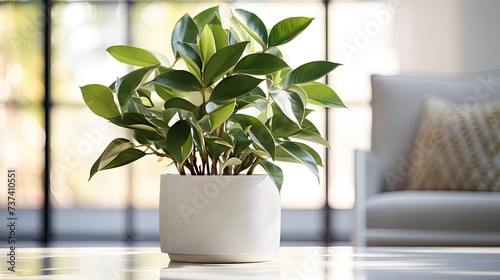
(448, 36)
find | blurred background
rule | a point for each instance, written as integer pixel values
(50, 48)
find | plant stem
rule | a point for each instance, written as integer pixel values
(252, 168)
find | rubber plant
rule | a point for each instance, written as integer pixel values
(228, 103)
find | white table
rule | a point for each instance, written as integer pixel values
(292, 263)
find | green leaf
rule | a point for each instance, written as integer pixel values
(250, 101)
(290, 104)
(260, 64)
(282, 126)
(179, 141)
(135, 121)
(183, 104)
(163, 92)
(322, 95)
(149, 136)
(257, 131)
(217, 117)
(237, 33)
(178, 80)
(204, 17)
(314, 154)
(274, 172)
(145, 98)
(192, 66)
(310, 133)
(253, 25)
(206, 44)
(222, 61)
(185, 30)
(133, 56)
(197, 133)
(241, 141)
(189, 51)
(309, 72)
(233, 87)
(100, 100)
(231, 162)
(220, 36)
(131, 82)
(190, 56)
(119, 152)
(216, 146)
(287, 29)
(301, 155)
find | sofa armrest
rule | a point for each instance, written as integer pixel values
(369, 179)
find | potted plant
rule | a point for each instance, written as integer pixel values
(227, 104)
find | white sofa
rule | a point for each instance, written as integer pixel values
(384, 213)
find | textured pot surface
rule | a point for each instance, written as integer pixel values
(219, 218)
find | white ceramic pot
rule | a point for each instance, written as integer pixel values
(219, 219)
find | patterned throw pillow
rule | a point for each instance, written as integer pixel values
(457, 147)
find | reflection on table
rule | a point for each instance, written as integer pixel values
(346, 263)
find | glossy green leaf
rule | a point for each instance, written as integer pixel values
(233, 87)
(148, 136)
(241, 141)
(192, 66)
(237, 33)
(131, 82)
(287, 29)
(290, 104)
(100, 100)
(163, 92)
(253, 25)
(216, 146)
(322, 95)
(310, 133)
(250, 101)
(206, 44)
(301, 155)
(282, 126)
(312, 152)
(180, 80)
(189, 51)
(183, 104)
(204, 17)
(185, 30)
(135, 121)
(220, 35)
(217, 117)
(257, 131)
(260, 64)
(179, 141)
(274, 172)
(145, 98)
(133, 56)
(119, 148)
(309, 72)
(222, 61)
(231, 162)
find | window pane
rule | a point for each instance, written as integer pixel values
(21, 49)
(81, 34)
(78, 139)
(21, 147)
(360, 39)
(350, 130)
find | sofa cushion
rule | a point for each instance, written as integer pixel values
(457, 147)
(397, 102)
(435, 210)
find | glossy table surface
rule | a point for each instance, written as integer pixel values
(117, 263)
